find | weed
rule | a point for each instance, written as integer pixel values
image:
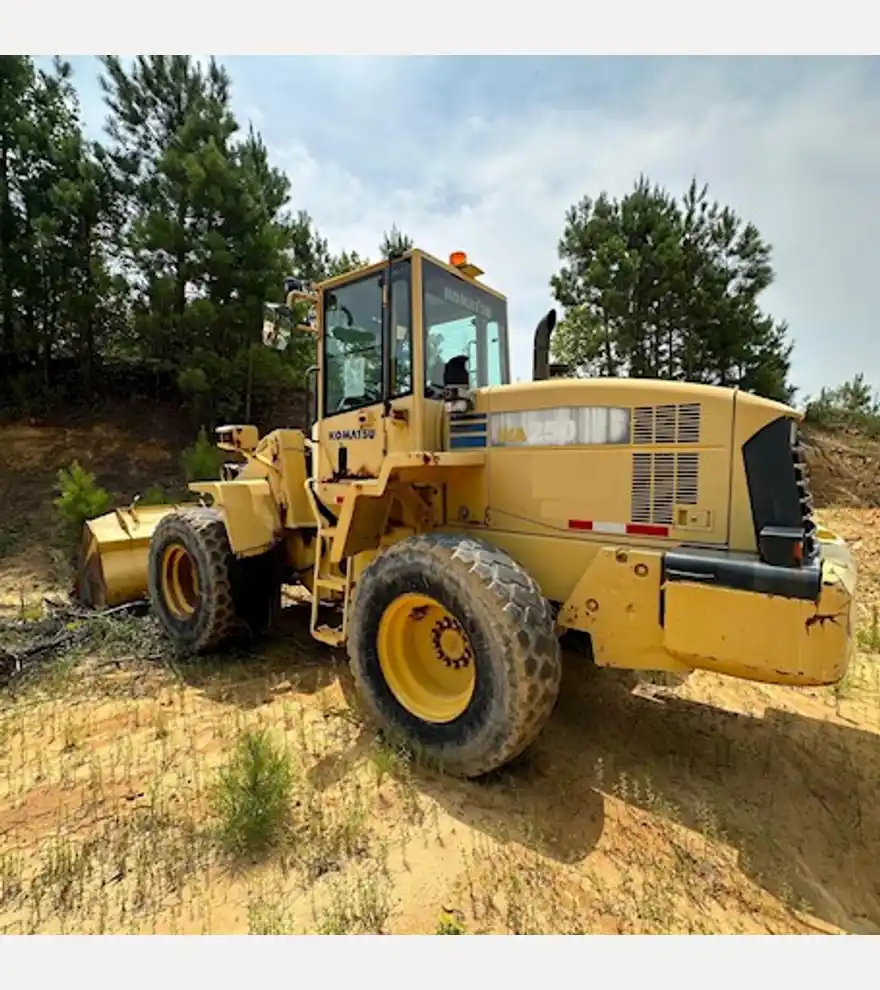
(160, 724)
(201, 461)
(253, 794)
(860, 682)
(450, 924)
(11, 870)
(331, 832)
(11, 539)
(868, 637)
(387, 760)
(154, 495)
(267, 917)
(29, 611)
(361, 902)
(80, 498)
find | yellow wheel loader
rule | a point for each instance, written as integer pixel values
(455, 524)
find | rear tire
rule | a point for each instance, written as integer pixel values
(508, 631)
(203, 596)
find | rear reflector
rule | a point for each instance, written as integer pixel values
(643, 529)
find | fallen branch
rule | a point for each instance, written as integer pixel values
(65, 626)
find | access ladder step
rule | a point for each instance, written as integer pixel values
(331, 582)
(328, 635)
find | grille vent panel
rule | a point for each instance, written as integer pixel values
(660, 482)
(667, 424)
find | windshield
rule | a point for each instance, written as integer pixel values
(463, 319)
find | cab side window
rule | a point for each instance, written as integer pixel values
(353, 351)
(353, 345)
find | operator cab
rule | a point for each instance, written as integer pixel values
(399, 342)
(370, 319)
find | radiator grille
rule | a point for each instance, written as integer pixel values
(660, 482)
(667, 424)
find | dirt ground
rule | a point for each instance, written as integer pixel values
(714, 806)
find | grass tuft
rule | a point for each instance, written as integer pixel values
(253, 794)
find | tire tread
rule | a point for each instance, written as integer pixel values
(517, 617)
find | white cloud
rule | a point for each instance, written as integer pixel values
(802, 163)
(792, 147)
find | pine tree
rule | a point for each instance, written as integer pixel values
(394, 242)
(57, 293)
(654, 287)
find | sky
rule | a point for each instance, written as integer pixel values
(485, 154)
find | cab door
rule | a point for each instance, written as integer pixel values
(367, 372)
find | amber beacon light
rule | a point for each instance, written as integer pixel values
(459, 260)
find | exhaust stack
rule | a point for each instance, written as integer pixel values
(543, 331)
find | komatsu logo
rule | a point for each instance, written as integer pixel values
(366, 434)
(467, 302)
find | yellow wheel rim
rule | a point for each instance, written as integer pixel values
(426, 658)
(180, 583)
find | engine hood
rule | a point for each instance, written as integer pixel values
(633, 392)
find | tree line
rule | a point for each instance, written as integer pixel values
(156, 249)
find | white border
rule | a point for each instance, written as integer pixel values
(397, 961)
(672, 27)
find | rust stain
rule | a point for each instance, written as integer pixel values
(821, 619)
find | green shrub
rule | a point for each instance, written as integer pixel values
(245, 385)
(852, 404)
(193, 382)
(80, 497)
(252, 796)
(202, 461)
(154, 495)
(450, 925)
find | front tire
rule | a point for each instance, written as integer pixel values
(202, 595)
(453, 648)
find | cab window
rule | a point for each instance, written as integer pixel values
(353, 350)
(463, 320)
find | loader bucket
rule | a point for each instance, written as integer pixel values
(112, 565)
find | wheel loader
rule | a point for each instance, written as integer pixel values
(451, 525)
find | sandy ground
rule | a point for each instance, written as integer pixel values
(716, 806)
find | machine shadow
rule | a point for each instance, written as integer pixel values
(288, 662)
(798, 798)
(504, 806)
(510, 805)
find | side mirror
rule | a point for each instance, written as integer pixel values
(303, 308)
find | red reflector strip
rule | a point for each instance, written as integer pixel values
(593, 526)
(617, 529)
(643, 529)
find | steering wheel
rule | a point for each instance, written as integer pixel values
(372, 394)
(353, 335)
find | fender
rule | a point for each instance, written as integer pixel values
(250, 513)
(365, 504)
